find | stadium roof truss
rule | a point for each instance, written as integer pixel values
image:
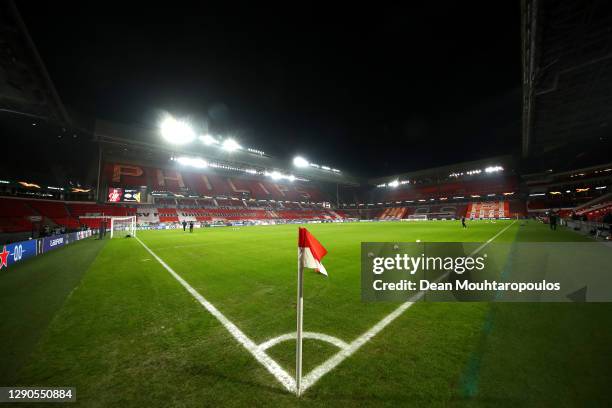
(26, 87)
(567, 77)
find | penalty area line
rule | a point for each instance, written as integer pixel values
(260, 355)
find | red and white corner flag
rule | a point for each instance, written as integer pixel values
(311, 251)
(310, 254)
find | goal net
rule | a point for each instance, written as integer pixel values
(417, 217)
(122, 226)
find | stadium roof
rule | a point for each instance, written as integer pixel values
(110, 133)
(567, 77)
(442, 172)
(25, 85)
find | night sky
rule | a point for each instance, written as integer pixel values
(372, 91)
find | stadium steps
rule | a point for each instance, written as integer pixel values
(335, 215)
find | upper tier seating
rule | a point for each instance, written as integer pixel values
(497, 185)
(211, 185)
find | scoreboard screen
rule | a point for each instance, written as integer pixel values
(124, 195)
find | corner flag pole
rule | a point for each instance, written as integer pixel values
(300, 323)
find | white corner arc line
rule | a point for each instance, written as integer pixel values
(260, 355)
(307, 335)
(258, 351)
(312, 377)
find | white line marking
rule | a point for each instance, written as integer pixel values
(307, 335)
(180, 246)
(346, 350)
(491, 239)
(318, 372)
(260, 355)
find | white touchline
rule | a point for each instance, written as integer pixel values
(346, 350)
(260, 355)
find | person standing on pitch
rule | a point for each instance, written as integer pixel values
(191, 226)
(184, 225)
(463, 222)
(552, 219)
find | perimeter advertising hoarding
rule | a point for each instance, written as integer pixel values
(54, 242)
(16, 252)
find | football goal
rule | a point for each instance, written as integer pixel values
(122, 226)
(417, 217)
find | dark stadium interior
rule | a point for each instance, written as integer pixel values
(291, 82)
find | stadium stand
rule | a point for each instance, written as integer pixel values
(498, 185)
(56, 211)
(393, 213)
(167, 215)
(207, 184)
(490, 209)
(13, 216)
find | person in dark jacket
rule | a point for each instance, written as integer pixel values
(552, 219)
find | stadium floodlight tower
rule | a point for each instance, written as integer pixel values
(123, 226)
(176, 131)
(230, 145)
(300, 162)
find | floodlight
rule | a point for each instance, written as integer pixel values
(291, 177)
(230, 145)
(176, 131)
(300, 162)
(208, 140)
(275, 175)
(192, 161)
(393, 183)
(493, 169)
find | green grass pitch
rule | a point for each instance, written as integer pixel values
(108, 319)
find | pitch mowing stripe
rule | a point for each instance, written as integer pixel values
(314, 376)
(272, 366)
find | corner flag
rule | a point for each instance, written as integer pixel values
(310, 254)
(312, 251)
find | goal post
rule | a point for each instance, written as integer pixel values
(122, 226)
(417, 217)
